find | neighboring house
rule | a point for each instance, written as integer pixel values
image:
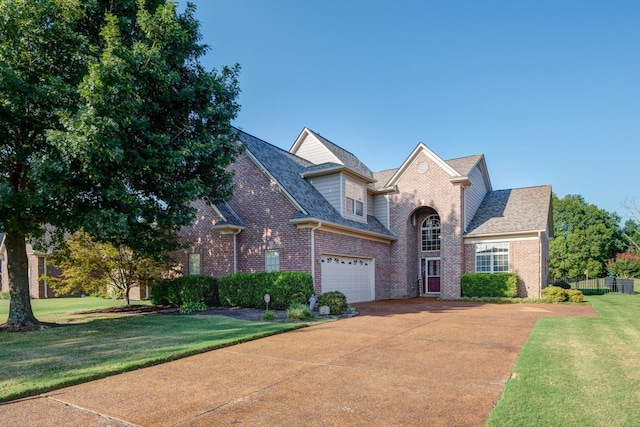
(39, 264)
(398, 233)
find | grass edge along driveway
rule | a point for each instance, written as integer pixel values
(96, 346)
(578, 371)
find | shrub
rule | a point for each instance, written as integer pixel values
(248, 289)
(554, 294)
(188, 290)
(335, 300)
(192, 307)
(297, 311)
(561, 283)
(268, 315)
(489, 285)
(575, 295)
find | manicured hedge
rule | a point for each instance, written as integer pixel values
(248, 289)
(186, 290)
(489, 285)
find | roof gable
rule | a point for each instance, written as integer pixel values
(518, 210)
(286, 170)
(421, 148)
(317, 149)
(464, 166)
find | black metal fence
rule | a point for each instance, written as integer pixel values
(603, 285)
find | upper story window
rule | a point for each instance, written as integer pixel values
(354, 198)
(431, 234)
(492, 257)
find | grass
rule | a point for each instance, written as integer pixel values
(98, 345)
(578, 371)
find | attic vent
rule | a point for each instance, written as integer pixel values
(422, 167)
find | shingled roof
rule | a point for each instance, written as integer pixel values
(463, 165)
(515, 211)
(286, 169)
(228, 216)
(348, 159)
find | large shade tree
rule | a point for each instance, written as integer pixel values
(109, 123)
(585, 238)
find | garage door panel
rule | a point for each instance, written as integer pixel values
(352, 276)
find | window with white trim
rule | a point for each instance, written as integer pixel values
(492, 257)
(431, 233)
(194, 263)
(354, 198)
(271, 260)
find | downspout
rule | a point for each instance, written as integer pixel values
(541, 263)
(44, 268)
(235, 256)
(313, 253)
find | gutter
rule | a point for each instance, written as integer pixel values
(301, 221)
(235, 253)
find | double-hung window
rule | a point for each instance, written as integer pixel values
(194, 263)
(271, 260)
(492, 257)
(354, 198)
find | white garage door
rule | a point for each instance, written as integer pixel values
(354, 277)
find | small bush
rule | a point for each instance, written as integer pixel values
(192, 307)
(186, 290)
(489, 285)
(298, 311)
(335, 300)
(561, 283)
(268, 316)
(554, 294)
(575, 295)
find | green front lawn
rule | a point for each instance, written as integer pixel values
(578, 371)
(99, 345)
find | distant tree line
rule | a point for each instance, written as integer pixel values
(591, 242)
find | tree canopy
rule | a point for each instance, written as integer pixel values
(108, 123)
(585, 238)
(90, 267)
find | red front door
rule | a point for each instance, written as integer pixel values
(433, 275)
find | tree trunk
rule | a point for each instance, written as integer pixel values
(20, 312)
(127, 301)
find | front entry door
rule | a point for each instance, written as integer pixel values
(430, 269)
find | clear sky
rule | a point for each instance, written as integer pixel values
(547, 90)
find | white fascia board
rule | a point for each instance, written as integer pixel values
(422, 148)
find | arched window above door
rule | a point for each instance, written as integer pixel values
(431, 236)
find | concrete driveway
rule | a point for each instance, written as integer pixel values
(400, 362)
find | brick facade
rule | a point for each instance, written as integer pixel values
(424, 187)
(421, 193)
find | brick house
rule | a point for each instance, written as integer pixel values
(40, 263)
(399, 233)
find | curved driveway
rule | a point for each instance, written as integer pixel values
(399, 362)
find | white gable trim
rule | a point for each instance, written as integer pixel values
(306, 132)
(422, 148)
(273, 179)
(217, 211)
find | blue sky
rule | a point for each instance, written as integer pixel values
(548, 91)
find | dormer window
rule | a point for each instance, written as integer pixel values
(354, 198)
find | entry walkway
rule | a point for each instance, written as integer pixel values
(400, 362)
